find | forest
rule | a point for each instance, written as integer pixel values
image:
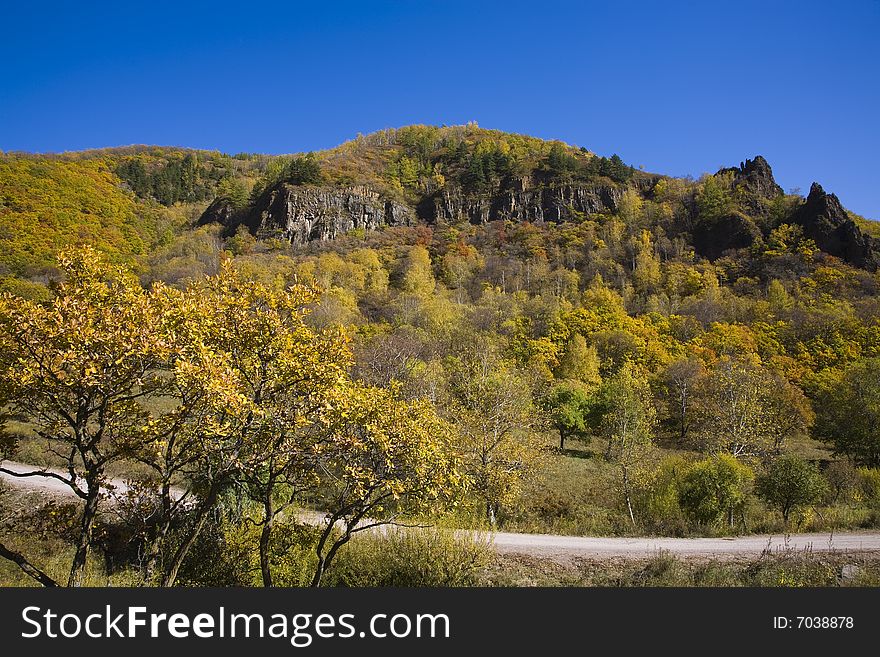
(642, 355)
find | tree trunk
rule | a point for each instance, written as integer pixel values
(265, 537)
(319, 572)
(561, 441)
(626, 494)
(205, 507)
(84, 542)
(324, 561)
(153, 547)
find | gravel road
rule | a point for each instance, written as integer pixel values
(546, 545)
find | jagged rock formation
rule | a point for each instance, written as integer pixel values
(756, 177)
(300, 214)
(825, 221)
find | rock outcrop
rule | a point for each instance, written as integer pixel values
(825, 222)
(303, 213)
(524, 202)
(221, 211)
(756, 177)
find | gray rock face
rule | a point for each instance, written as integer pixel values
(301, 214)
(522, 203)
(825, 221)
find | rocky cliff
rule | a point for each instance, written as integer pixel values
(300, 214)
(825, 221)
(526, 201)
(756, 177)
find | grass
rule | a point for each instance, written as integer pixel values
(786, 569)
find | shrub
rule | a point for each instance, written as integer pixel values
(869, 484)
(407, 557)
(791, 483)
(714, 488)
(656, 497)
(843, 480)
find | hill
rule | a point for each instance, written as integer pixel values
(525, 287)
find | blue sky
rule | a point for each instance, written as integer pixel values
(680, 88)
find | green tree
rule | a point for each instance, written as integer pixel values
(715, 487)
(568, 405)
(714, 199)
(849, 412)
(789, 483)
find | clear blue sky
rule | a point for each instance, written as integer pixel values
(681, 88)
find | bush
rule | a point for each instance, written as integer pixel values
(226, 554)
(843, 480)
(408, 557)
(791, 483)
(714, 488)
(655, 497)
(869, 484)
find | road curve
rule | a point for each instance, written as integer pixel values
(547, 545)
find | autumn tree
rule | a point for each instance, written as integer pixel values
(627, 424)
(383, 457)
(494, 413)
(416, 274)
(579, 362)
(681, 381)
(747, 410)
(82, 367)
(253, 378)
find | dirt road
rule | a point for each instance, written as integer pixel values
(545, 545)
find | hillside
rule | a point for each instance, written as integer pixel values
(524, 288)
